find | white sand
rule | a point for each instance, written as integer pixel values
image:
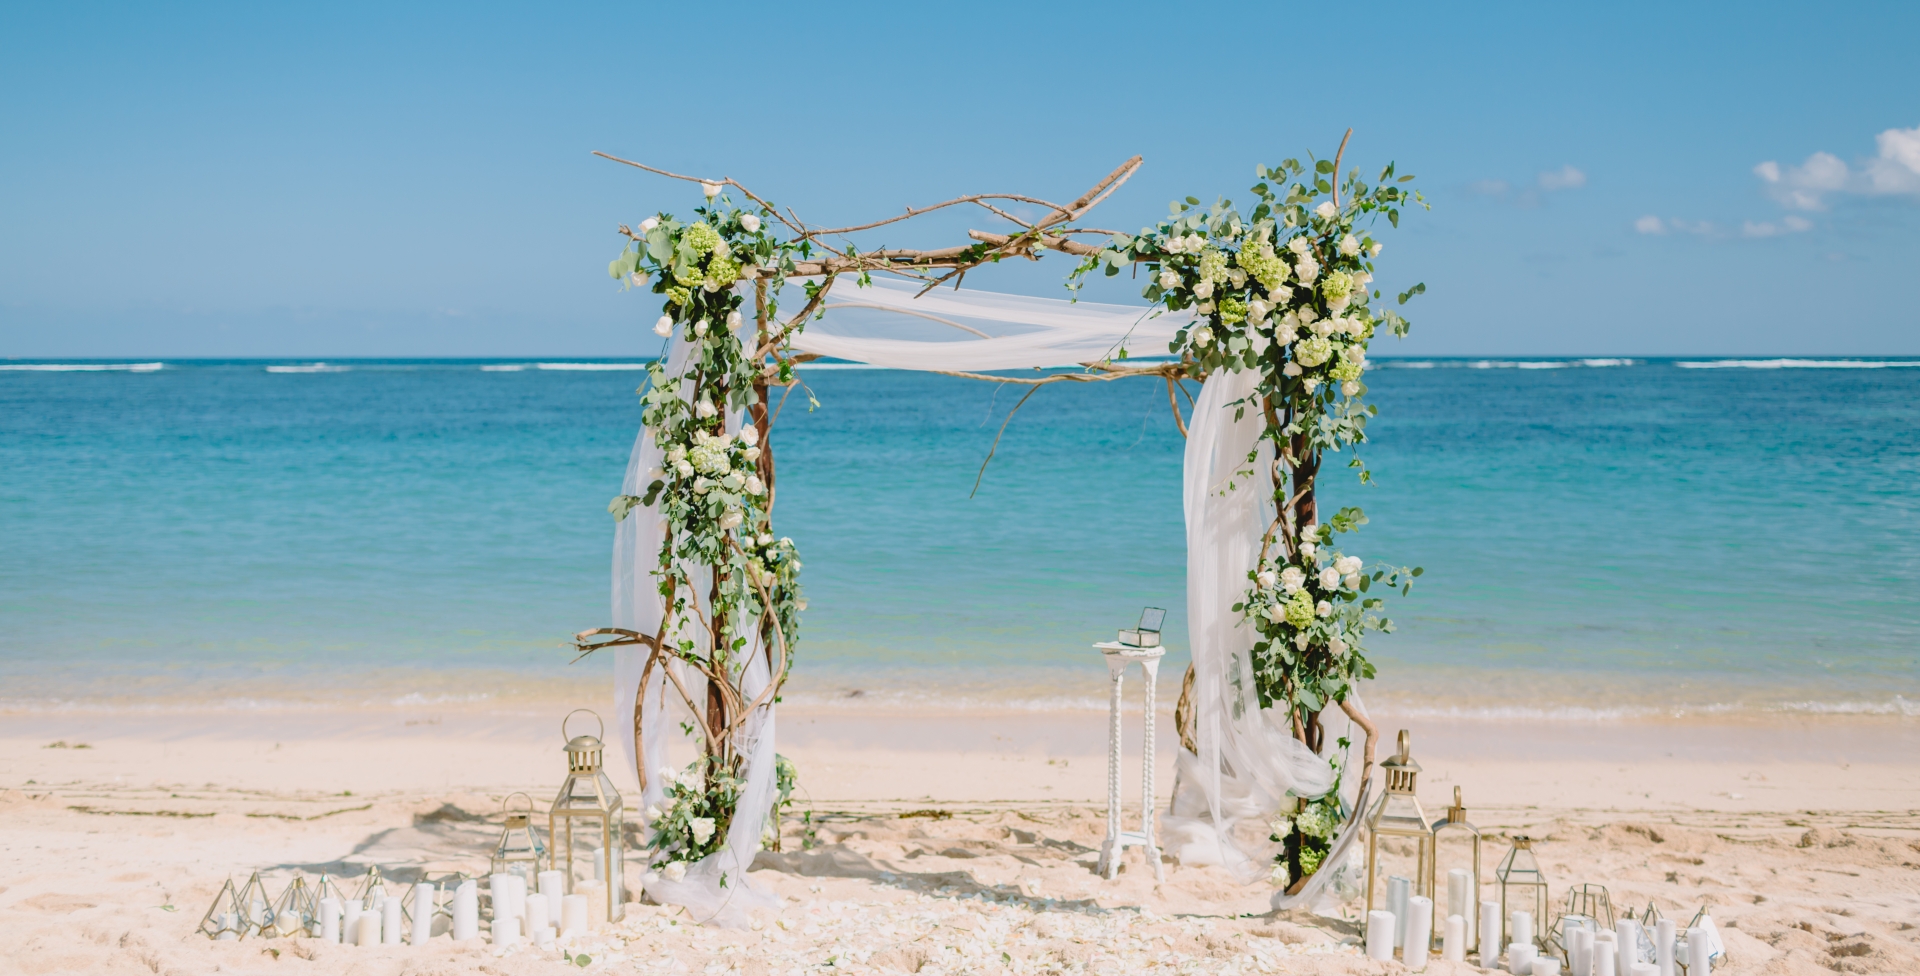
(1801, 838)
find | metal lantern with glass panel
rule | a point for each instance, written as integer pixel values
(1588, 907)
(1399, 815)
(1522, 887)
(520, 851)
(585, 823)
(1147, 634)
(1454, 826)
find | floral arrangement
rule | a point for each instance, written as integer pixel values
(1286, 290)
(700, 802)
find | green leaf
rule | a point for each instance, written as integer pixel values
(1323, 166)
(1193, 201)
(582, 960)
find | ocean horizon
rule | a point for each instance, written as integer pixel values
(1603, 537)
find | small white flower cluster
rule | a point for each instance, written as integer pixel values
(1293, 598)
(683, 831)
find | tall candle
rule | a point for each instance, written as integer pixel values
(1663, 946)
(350, 921)
(1419, 933)
(1460, 896)
(390, 922)
(1522, 927)
(1645, 969)
(1398, 889)
(329, 919)
(1603, 955)
(1579, 950)
(1626, 932)
(1489, 934)
(499, 896)
(1380, 926)
(366, 929)
(229, 929)
(1699, 952)
(422, 913)
(466, 911)
(573, 915)
(1453, 945)
(553, 885)
(1520, 958)
(536, 916)
(1545, 966)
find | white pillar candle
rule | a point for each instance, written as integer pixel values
(1380, 926)
(1663, 939)
(1612, 939)
(1522, 927)
(1419, 933)
(1398, 889)
(1645, 969)
(1489, 934)
(596, 892)
(1453, 944)
(390, 922)
(1546, 966)
(228, 926)
(422, 913)
(543, 936)
(366, 929)
(506, 931)
(1699, 952)
(329, 919)
(350, 921)
(573, 915)
(498, 896)
(1626, 934)
(466, 911)
(1520, 957)
(1460, 896)
(1603, 955)
(1579, 950)
(536, 915)
(553, 884)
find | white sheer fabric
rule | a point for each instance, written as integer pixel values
(1248, 761)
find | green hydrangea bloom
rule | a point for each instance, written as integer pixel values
(1213, 265)
(1346, 369)
(723, 271)
(1337, 287)
(677, 295)
(1316, 821)
(690, 276)
(701, 238)
(1314, 351)
(1310, 859)
(1232, 310)
(1300, 609)
(1264, 266)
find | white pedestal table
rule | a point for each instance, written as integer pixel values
(1119, 658)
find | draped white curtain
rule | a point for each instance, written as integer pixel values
(1248, 760)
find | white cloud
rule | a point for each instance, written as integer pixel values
(1650, 225)
(1489, 188)
(1564, 178)
(1895, 171)
(1791, 224)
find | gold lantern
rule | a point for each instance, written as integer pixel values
(296, 911)
(1455, 825)
(585, 823)
(1522, 887)
(1588, 907)
(1399, 815)
(520, 851)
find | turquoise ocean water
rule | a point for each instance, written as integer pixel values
(1600, 537)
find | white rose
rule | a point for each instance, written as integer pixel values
(1349, 245)
(1258, 310)
(755, 486)
(668, 777)
(702, 485)
(1237, 277)
(1323, 608)
(1266, 579)
(1202, 336)
(656, 474)
(1204, 308)
(751, 454)
(1351, 582)
(704, 410)
(1169, 279)
(731, 519)
(1204, 289)
(1361, 280)
(638, 279)
(710, 189)
(766, 539)
(1347, 565)
(732, 481)
(749, 435)
(1350, 388)
(733, 320)
(1279, 295)
(1375, 249)
(677, 871)
(1300, 641)
(1311, 384)
(1337, 646)
(649, 224)
(702, 828)
(1291, 578)
(1276, 613)
(1308, 314)
(750, 223)
(1298, 245)
(1307, 270)
(723, 249)
(664, 327)
(653, 813)
(1329, 578)
(1291, 369)
(700, 327)
(1327, 210)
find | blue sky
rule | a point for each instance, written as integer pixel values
(389, 180)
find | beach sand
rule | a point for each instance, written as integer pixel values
(1802, 836)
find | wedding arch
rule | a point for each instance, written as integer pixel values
(1271, 310)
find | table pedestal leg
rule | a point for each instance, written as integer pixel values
(1109, 864)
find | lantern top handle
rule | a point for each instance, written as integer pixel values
(523, 796)
(602, 734)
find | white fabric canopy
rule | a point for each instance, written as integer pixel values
(1248, 761)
